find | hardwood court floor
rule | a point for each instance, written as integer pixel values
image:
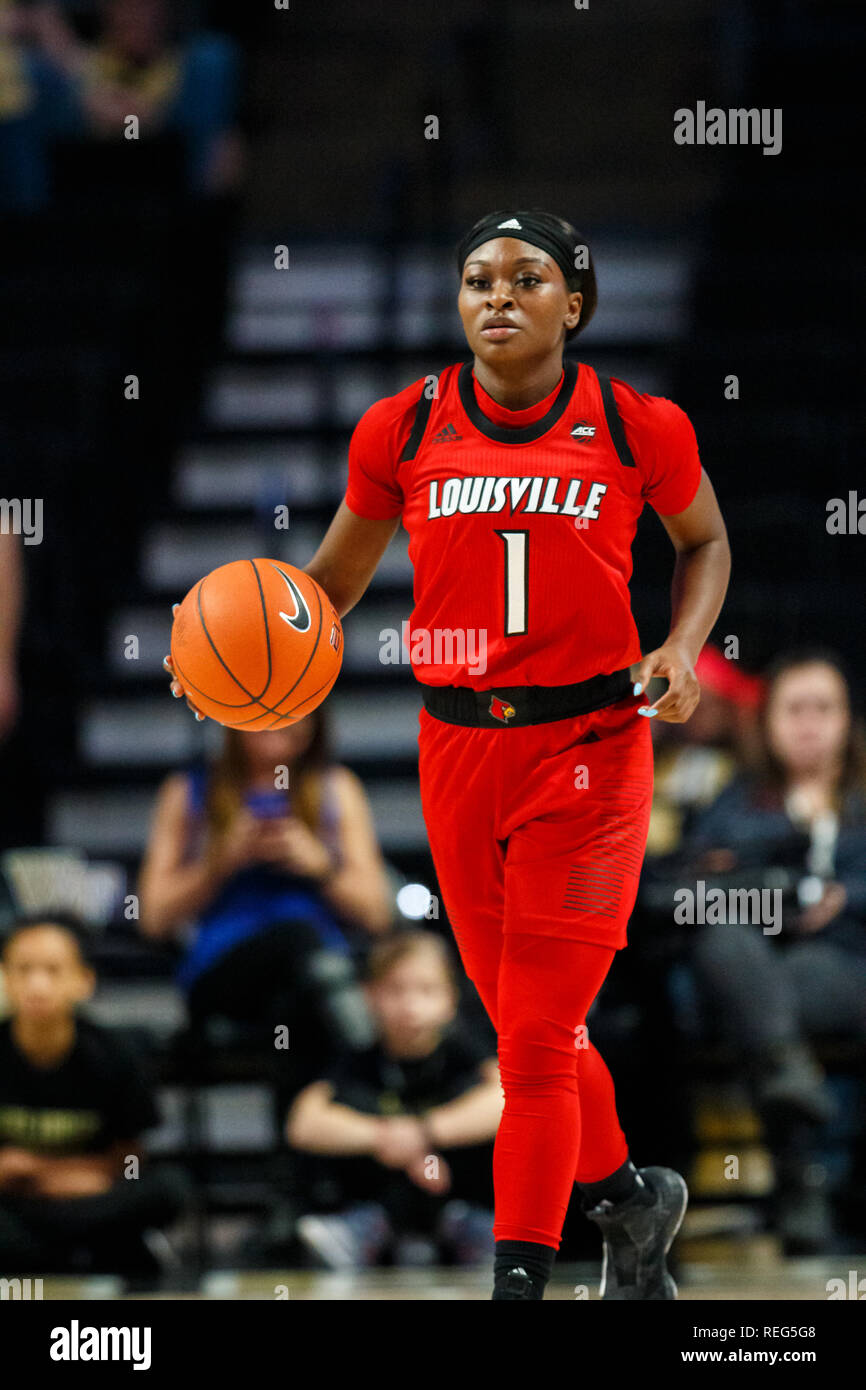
(715, 1271)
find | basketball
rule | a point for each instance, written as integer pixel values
(256, 644)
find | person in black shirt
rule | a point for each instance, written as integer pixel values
(73, 1103)
(393, 1119)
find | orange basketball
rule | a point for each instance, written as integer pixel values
(256, 644)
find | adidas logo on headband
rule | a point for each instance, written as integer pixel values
(512, 222)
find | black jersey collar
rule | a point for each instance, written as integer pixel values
(528, 433)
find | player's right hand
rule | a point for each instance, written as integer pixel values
(176, 687)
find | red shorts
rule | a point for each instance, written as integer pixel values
(540, 828)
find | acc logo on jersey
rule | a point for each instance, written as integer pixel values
(501, 709)
(582, 430)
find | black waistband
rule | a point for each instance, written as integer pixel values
(511, 707)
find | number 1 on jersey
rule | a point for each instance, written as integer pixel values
(516, 581)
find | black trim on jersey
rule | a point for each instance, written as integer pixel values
(422, 415)
(614, 423)
(503, 434)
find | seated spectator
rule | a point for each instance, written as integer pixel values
(38, 49)
(73, 1105)
(802, 807)
(22, 172)
(393, 1120)
(138, 65)
(696, 760)
(271, 855)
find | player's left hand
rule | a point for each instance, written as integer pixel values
(674, 663)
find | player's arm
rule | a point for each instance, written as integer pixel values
(700, 582)
(346, 560)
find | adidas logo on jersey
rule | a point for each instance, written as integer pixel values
(582, 430)
(446, 436)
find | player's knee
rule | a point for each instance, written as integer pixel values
(534, 1051)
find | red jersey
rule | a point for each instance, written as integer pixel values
(521, 522)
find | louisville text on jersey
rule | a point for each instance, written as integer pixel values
(487, 493)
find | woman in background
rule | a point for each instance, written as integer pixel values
(769, 993)
(271, 856)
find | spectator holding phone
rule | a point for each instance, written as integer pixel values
(266, 867)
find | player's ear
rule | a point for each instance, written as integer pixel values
(575, 306)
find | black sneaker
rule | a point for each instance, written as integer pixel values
(637, 1236)
(516, 1284)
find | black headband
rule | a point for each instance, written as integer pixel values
(538, 228)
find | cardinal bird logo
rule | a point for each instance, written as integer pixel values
(501, 709)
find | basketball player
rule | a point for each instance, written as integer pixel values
(520, 477)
